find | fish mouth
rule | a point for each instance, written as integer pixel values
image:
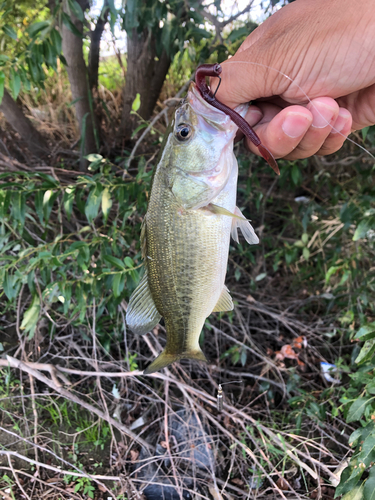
(212, 115)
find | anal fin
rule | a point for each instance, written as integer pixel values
(142, 314)
(225, 302)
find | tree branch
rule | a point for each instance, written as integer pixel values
(15, 363)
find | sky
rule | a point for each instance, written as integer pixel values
(228, 6)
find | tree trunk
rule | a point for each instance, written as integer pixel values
(77, 73)
(21, 124)
(145, 75)
(94, 53)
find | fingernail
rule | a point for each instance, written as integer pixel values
(322, 115)
(295, 124)
(341, 121)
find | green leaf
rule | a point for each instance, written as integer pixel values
(114, 261)
(198, 33)
(49, 198)
(366, 352)
(260, 276)
(93, 202)
(369, 488)
(367, 452)
(362, 229)
(8, 285)
(237, 34)
(37, 27)
(70, 25)
(306, 253)
(8, 30)
(93, 157)
(68, 201)
(129, 262)
(118, 284)
(2, 81)
(296, 175)
(106, 203)
(76, 10)
(38, 200)
(30, 318)
(366, 332)
(140, 127)
(136, 103)
(357, 409)
(4, 203)
(19, 207)
(364, 132)
(362, 432)
(354, 494)
(56, 41)
(15, 84)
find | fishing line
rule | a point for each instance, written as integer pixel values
(305, 95)
(218, 85)
(220, 393)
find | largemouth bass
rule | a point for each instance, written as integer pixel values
(186, 231)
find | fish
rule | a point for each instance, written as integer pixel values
(186, 231)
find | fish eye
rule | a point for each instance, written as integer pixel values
(183, 132)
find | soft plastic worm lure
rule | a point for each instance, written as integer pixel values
(215, 70)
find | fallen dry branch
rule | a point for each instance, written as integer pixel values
(72, 397)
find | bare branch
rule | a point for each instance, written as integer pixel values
(72, 397)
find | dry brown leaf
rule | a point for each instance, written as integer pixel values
(134, 454)
(238, 481)
(287, 352)
(282, 484)
(53, 479)
(214, 493)
(101, 488)
(298, 342)
(163, 444)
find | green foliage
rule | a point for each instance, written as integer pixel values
(237, 354)
(65, 270)
(325, 239)
(82, 485)
(30, 46)
(171, 22)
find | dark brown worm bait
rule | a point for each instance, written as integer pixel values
(200, 80)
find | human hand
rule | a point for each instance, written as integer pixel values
(326, 51)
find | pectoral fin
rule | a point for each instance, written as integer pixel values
(225, 302)
(246, 228)
(215, 209)
(142, 314)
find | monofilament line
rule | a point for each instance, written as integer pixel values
(307, 97)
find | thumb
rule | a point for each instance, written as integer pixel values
(253, 73)
(259, 68)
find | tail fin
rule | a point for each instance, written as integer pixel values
(165, 359)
